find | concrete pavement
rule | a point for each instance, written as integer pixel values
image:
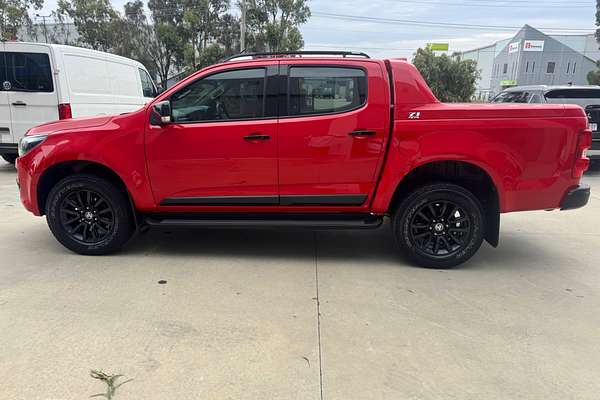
(238, 316)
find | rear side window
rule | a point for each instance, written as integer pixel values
(230, 95)
(26, 72)
(148, 88)
(324, 90)
(573, 94)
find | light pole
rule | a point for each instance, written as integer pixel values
(243, 27)
(43, 17)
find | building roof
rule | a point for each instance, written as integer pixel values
(582, 43)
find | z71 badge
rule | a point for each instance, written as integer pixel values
(414, 115)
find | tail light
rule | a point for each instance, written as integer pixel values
(64, 111)
(582, 162)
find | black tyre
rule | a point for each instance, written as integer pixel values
(439, 225)
(89, 215)
(10, 158)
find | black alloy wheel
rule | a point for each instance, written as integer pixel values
(439, 225)
(440, 228)
(87, 216)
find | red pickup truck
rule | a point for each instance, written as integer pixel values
(311, 141)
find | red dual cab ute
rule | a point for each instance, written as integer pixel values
(327, 141)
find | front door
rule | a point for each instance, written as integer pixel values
(332, 135)
(33, 96)
(221, 147)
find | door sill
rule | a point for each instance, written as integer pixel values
(244, 220)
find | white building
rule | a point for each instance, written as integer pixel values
(561, 59)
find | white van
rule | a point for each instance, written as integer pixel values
(45, 82)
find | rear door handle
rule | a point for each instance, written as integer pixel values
(362, 133)
(256, 136)
(19, 104)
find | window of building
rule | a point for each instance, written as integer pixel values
(550, 67)
(229, 95)
(505, 69)
(321, 90)
(568, 67)
(27, 72)
(527, 67)
(574, 66)
(533, 67)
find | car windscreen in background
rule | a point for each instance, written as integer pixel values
(28, 72)
(573, 94)
(512, 97)
(2, 70)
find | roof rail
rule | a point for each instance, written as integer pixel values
(344, 54)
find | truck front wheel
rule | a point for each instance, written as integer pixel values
(89, 215)
(439, 225)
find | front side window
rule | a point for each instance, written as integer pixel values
(322, 90)
(229, 95)
(148, 88)
(26, 72)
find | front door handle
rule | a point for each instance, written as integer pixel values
(19, 104)
(362, 133)
(256, 136)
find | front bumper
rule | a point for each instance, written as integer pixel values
(577, 197)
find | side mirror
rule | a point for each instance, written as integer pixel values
(161, 113)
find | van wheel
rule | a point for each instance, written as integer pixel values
(89, 215)
(439, 225)
(10, 158)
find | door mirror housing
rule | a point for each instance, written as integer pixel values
(161, 113)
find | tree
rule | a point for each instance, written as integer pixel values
(593, 77)
(96, 21)
(273, 24)
(450, 78)
(14, 14)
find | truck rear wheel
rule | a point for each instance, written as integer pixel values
(10, 158)
(439, 225)
(89, 215)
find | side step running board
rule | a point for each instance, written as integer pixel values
(308, 221)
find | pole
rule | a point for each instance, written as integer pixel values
(243, 27)
(43, 17)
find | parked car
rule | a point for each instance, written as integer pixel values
(309, 142)
(46, 82)
(587, 97)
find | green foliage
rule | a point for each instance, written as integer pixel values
(14, 14)
(110, 381)
(182, 35)
(273, 24)
(593, 77)
(96, 21)
(450, 78)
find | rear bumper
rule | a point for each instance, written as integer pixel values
(8, 148)
(576, 197)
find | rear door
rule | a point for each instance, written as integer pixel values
(5, 120)
(331, 132)
(33, 96)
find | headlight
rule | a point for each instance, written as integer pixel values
(27, 143)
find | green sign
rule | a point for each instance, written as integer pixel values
(438, 46)
(508, 82)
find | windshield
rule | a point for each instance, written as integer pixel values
(513, 97)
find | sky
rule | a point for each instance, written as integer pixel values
(344, 24)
